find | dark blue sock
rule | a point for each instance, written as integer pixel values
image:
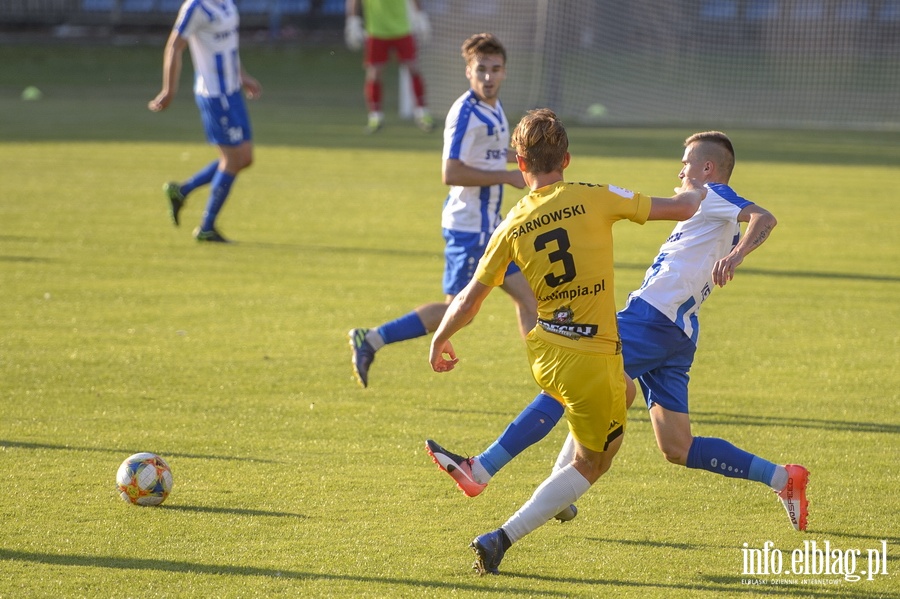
(406, 327)
(504, 540)
(200, 178)
(221, 186)
(721, 457)
(529, 427)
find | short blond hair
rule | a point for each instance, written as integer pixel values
(541, 140)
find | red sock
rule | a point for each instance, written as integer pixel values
(418, 85)
(373, 95)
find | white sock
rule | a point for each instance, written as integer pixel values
(561, 489)
(566, 454)
(374, 339)
(779, 479)
(479, 473)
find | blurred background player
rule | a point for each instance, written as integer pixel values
(210, 29)
(384, 26)
(560, 234)
(475, 155)
(659, 328)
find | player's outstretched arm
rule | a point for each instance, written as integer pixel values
(461, 311)
(457, 172)
(171, 72)
(761, 222)
(680, 206)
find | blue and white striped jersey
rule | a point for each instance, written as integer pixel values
(680, 278)
(477, 134)
(211, 29)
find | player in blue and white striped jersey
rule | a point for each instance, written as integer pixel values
(476, 136)
(475, 155)
(210, 29)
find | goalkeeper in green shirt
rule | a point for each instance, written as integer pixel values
(382, 27)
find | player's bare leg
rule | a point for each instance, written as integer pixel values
(432, 314)
(673, 435)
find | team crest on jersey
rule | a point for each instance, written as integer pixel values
(563, 323)
(563, 315)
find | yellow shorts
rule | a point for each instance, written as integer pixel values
(591, 387)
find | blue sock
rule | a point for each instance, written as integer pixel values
(221, 186)
(721, 457)
(200, 178)
(761, 470)
(529, 427)
(406, 327)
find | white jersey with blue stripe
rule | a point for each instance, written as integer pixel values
(680, 278)
(211, 29)
(477, 134)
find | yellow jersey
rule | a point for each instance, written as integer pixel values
(560, 236)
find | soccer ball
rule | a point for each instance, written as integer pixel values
(144, 479)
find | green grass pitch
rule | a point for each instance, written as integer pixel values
(119, 333)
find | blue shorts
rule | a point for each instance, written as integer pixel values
(657, 353)
(461, 254)
(225, 119)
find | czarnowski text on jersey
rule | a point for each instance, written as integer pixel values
(546, 219)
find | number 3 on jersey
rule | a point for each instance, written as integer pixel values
(560, 254)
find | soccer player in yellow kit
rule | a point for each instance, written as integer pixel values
(560, 235)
